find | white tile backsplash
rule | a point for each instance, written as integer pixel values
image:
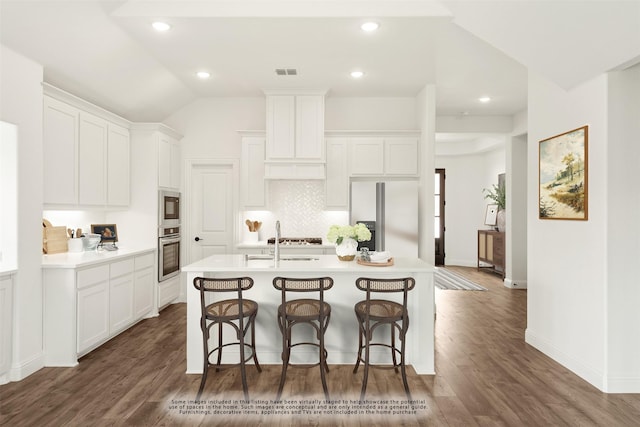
(299, 205)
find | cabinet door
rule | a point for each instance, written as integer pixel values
(309, 127)
(118, 166)
(92, 151)
(93, 315)
(6, 323)
(337, 180)
(121, 303)
(280, 127)
(144, 281)
(401, 156)
(252, 172)
(176, 164)
(60, 141)
(164, 161)
(367, 156)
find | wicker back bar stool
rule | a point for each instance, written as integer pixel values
(372, 313)
(229, 311)
(314, 312)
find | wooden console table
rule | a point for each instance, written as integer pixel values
(491, 251)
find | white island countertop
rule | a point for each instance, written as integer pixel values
(87, 258)
(342, 334)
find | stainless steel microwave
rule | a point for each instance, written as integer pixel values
(169, 209)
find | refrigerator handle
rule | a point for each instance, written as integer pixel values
(380, 203)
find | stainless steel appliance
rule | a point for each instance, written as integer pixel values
(168, 209)
(392, 208)
(168, 252)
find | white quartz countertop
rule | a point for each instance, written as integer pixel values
(86, 258)
(264, 245)
(317, 263)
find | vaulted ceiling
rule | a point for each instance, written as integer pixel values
(106, 51)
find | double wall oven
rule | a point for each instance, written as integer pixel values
(169, 237)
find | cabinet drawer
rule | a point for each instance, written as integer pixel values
(144, 261)
(121, 267)
(92, 276)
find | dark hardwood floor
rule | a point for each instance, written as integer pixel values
(486, 376)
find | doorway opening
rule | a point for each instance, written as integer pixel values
(439, 226)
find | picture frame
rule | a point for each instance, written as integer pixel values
(108, 232)
(491, 215)
(563, 171)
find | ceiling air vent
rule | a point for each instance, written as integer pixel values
(286, 71)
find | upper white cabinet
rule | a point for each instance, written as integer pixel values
(86, 153)
(60, 124)
(295, 127)
(168, 162)
(252, 171)
(118, 166)
(337, 182)
(384, 156)
(92, 150)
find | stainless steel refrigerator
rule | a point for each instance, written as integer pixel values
(393, 205)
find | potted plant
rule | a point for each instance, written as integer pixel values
(346, 238)
(498, 195)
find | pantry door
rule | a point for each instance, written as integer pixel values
(211, 202)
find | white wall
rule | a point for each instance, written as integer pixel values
(370, 113)
(466, 206)
(623, 232)
(567, 275)
(21, 104)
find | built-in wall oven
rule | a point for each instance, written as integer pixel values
(168, 252)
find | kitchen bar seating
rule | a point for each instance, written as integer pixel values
(314, 312)
(372, 313)
(227, 312)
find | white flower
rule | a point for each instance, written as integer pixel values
(358, 232)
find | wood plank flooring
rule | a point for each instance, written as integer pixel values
(486, 376)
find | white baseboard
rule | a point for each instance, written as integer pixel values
(515, 284)
(588, 374)
(623, 384)
(21, 371)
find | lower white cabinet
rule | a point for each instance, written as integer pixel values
(6, 326)
(168, 291)
(120, 295)
(86, 306)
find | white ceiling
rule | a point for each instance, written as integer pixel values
(107, 53)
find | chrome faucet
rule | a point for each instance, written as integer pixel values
(276, 253)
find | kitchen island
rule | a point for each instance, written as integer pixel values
(341, 338)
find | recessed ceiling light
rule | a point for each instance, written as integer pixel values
(484, 99)
(370, 26)
(161, 26)
(357, 74)
(203, 74)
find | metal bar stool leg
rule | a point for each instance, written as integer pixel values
(252, 324)
(205, 347)
(219, 347)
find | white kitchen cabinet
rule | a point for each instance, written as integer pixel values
(143, 285)
(168, 291)
(86, 158)
(337, 181)
(401, 156)
(60, 135)
(86, 306)
(168, 162)
(121, 295)
(366, 156)
(92, 150)
(252, 172)
(294, 171)
(6, 325)
(92, 307)
(295, 127)
(118, 166)
(384, 156)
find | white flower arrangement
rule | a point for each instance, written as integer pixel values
(358, 232)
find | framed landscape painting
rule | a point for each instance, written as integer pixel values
(563, 171)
